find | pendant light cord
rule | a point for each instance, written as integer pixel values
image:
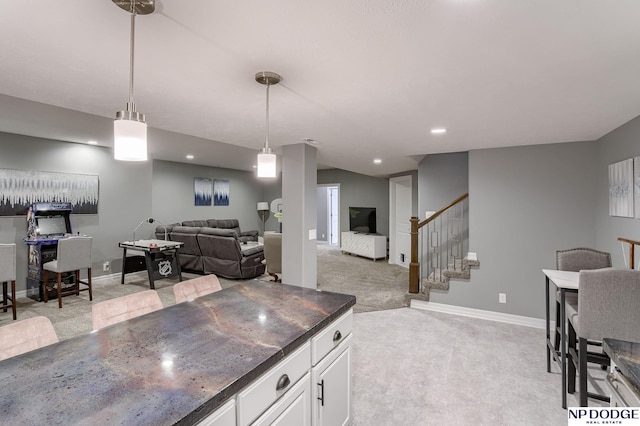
(130, 105)
(266, 136)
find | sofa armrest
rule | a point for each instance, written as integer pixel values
(251, 251)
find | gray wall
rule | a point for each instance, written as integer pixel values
(359, 191)
(525, 203)
(173, 200)
(621, 144)
(441, 179)
(124, 195)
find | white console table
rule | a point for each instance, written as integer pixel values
(365, 245)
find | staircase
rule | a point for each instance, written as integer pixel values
(439, 250)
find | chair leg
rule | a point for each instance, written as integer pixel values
(4, 296)
(582, 367)
(59, 290)
(571, 365)
(13, 299)
(45, 282)
(90, 284)
(77, 282)
(557, 333)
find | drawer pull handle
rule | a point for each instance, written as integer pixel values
(283, 382)
(321, 397)
(337, 336)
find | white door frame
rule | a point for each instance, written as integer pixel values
(393, 183)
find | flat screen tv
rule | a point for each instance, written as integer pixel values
(362, 219)
(52, 225)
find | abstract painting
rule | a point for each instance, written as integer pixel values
(21, 188)
(202, 191)
(621, 188)
(220, 192)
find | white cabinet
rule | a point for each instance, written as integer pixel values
(223, 416)
(331, 373)
(366, 245)
(293, 409)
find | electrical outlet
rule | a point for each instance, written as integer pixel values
(502, 297)
(106, 266)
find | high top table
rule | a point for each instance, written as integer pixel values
(564, 281)
(172, 366)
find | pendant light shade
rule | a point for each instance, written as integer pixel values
(266, 157)
(129, 140)
(130, 127)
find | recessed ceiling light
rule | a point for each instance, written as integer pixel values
(438, 130)
(92, 142)
(377, 161)
(189, 157)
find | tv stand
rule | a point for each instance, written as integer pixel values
(373, 246)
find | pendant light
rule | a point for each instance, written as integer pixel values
(266, 157)
(130, 127)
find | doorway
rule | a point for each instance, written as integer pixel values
(400, 209)
(328, 202)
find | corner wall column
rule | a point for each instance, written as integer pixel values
(299, 221)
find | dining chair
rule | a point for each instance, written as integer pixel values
(196, 287)
(273, 254)
(26, 335)
(73, 254)
(8, 276)
(608, 302)
(576, 260)
(122, 308)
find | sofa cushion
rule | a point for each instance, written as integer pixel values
(219, 232)
(190, 255)
(199, 223)
(212, 223)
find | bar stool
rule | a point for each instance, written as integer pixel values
(8, 274)
(74, 253)
(196, 287)
(25, 336)
(122, 308)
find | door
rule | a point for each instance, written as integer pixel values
(401, 210)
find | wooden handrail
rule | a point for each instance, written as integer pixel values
(442, 210)
(414, 266)
(632, 245)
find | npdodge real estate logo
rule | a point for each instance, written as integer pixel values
(624, 416)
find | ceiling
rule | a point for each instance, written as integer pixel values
(364, 78)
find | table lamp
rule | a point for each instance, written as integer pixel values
(263, 211)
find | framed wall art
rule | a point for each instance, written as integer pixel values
(202, 191)
(621, 188)
(220, 192)
(21, 188)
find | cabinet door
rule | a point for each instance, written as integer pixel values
(332, 387)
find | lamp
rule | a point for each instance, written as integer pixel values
(149, 220)
(130, 127)
(266, 157)
(263, 211)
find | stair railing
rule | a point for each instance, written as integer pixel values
(632, 245)
(443, 242)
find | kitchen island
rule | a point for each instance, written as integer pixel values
(173, 366)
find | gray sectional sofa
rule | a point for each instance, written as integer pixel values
(216, 247)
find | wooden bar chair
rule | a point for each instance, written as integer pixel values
(125, 307)
(26, 335)
(8, 276)
(196, 287)
(73, 254)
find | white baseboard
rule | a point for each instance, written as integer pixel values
(481, 314)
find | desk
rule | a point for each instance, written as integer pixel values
(172, 366)
(160, 259)
(563, 280)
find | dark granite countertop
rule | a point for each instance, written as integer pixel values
(626, 355)
(171, 366)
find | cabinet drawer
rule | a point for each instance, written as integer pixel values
(256, 398)
(223, 416)
(293, 409)
(331, 337)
